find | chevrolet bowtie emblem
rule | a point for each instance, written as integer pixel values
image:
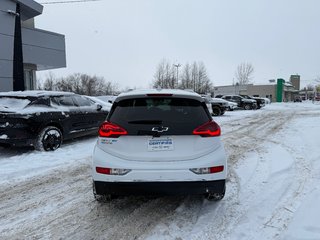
(160, 129)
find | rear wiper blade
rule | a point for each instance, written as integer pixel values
(145, 122)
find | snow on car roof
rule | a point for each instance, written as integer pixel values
(144, 92)
(33, 93)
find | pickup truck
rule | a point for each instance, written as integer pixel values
(216, 106)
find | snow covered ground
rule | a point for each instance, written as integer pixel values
(273, 188)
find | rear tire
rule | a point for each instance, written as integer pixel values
(215, 196)
(102, 198)
(216, 111)
(49, 139)
(247, 107)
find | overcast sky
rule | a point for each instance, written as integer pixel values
(124, 40)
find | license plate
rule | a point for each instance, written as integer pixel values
(160, 144)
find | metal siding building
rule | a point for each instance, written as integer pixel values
(39, 49)
(268, 91)
(287, 92)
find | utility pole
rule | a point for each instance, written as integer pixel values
(177, 66)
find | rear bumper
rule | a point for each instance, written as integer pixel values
(158, 171)
(159, 188)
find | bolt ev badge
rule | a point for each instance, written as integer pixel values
(160, 129)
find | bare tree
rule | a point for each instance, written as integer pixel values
(164, 76)
(63, 84)
(186, 81)
(49, 82)
(204, 83)
(310, 87)
(159, 75)
(82, 84)
(193, 77)
(199, 78)
(244, 73)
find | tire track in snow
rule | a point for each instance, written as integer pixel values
(287, 198)
(50, 207)
(283, 213)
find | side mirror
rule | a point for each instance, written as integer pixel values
(99, 107)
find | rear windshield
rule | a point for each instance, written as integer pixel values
(174, 116)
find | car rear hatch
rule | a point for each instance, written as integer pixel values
(158, 129)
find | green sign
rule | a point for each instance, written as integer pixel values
(280, 83)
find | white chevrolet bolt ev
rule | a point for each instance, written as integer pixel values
(159, 142)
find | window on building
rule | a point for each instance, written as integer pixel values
(28, 79)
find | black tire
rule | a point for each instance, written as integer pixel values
(99, 197)
(216, 111)
(247, 107)
(223, 112)
(49, 139)
(215, 196)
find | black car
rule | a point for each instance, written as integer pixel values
(297, 99)
(43, 119)
(260, 101)
(242, 102)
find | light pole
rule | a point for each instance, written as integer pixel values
(177, 66)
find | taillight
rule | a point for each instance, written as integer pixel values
(208, 170)
(111, 130)
(103, 170)
(209, 129)
(112, 171)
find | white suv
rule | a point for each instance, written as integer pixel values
(159, 142)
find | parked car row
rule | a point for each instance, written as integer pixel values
(244, 101)
(218, 106)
